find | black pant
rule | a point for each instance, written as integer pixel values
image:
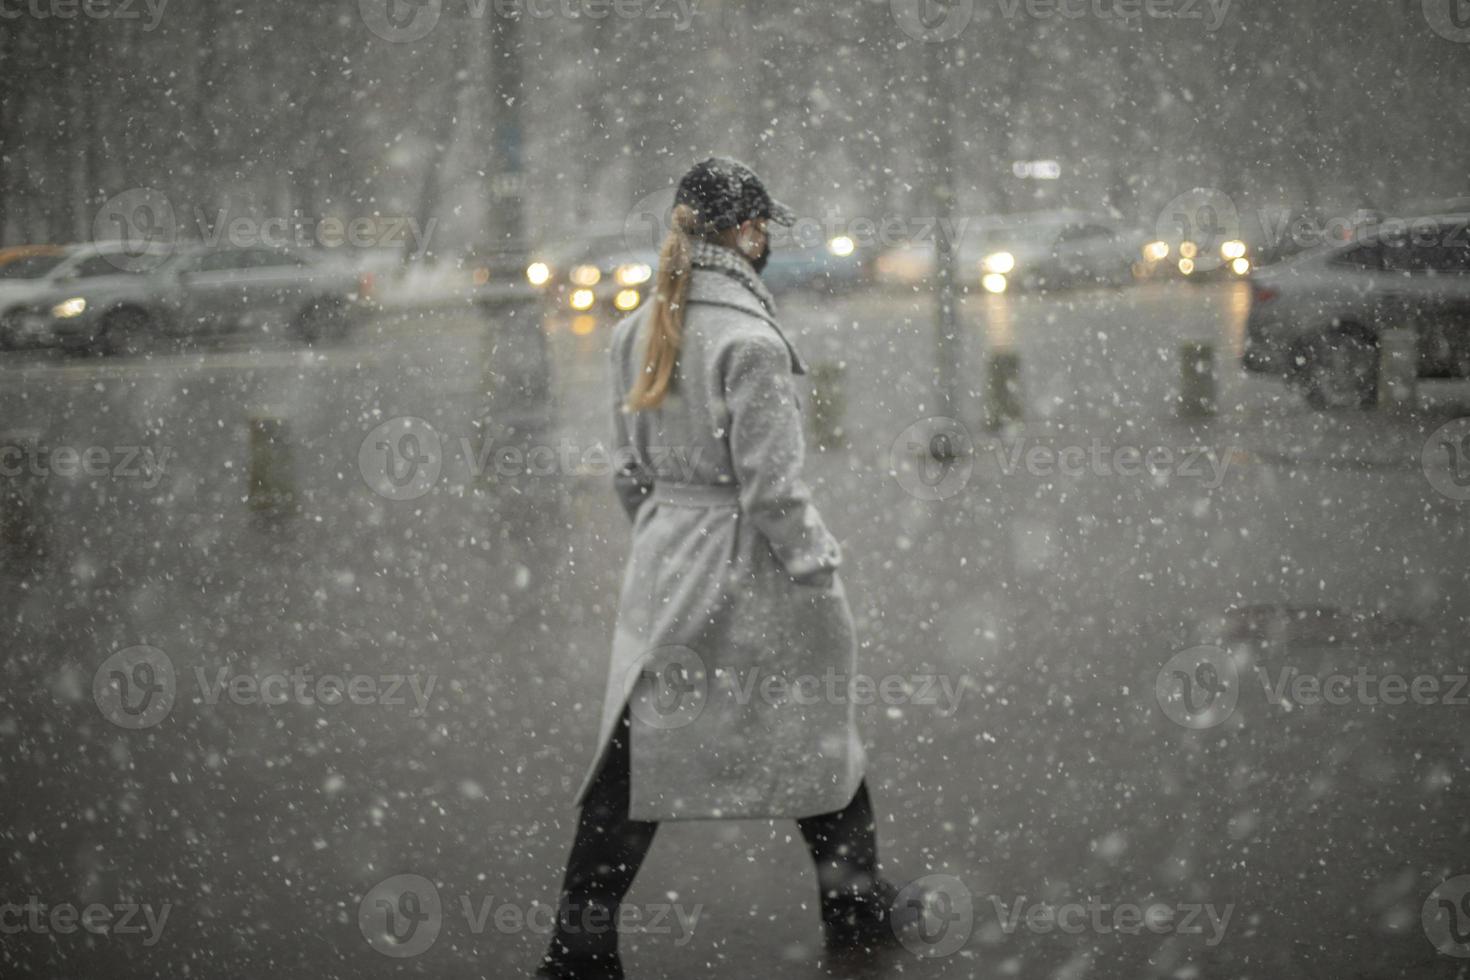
(610, 848)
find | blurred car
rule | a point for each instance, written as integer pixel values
(30, 273)
(1196, 260)
(16, 260)
(111, 302)
(600, 274)
(1316, 319)
(1034, 250)
(910, 264)
(834, 267)
(1046, 252)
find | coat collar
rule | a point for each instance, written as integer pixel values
(710, 288)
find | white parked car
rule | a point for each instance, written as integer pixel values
(1316, 319)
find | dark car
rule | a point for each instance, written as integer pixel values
(1317, 319)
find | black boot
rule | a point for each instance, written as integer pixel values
(860, 922)
(564, 966)
(585, 946)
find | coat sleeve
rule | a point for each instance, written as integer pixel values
(767, 449)
(631, 480)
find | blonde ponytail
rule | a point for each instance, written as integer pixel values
(666, 329)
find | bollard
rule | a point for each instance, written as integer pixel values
(1196, 380)
(21, 521)
(1003, 399)
(1398, 371)
(271, 467)
(829, 403)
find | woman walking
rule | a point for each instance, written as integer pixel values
(730, 594)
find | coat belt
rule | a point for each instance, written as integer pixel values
(696, 494)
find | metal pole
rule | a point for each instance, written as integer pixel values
(948, 344)
(507, 175)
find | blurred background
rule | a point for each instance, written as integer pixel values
(1139, 399)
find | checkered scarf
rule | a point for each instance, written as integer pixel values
(718, 258)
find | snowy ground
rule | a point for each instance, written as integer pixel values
(1289, 840)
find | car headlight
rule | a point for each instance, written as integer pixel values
(1186, 266)
(1240, 266)
(634, 274)
(1156, 251)
(586, 275)
(69, 308)
(626, 299)
(1233, 249)
(841, 246)
(582, 299)
(994, 282)
(998, 262)
(538, 273)
(1188, 249)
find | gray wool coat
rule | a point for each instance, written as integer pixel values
(734, 671)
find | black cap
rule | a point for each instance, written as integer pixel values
(726, 192)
